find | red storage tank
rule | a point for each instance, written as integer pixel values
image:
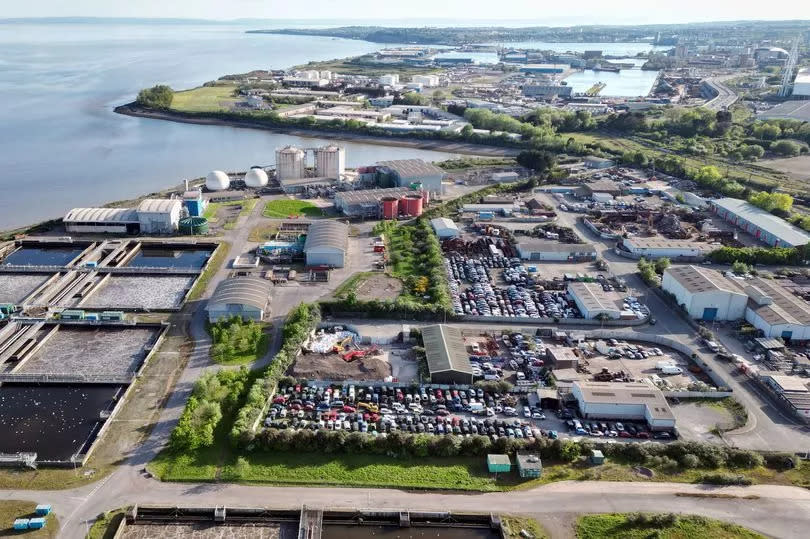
(412, 205)
(390, 207)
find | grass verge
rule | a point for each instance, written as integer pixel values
(219, 256)
(351, 284)
(13, 509)
(513, 525)
(205, 99)
(106, 525)
(667, 526)
(283, 208)
(262, 233)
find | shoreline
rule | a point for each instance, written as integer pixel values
(464, 148)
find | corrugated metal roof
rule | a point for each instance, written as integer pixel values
(696, 279)
(617, 393)
(327, 233)
(445, 350)
(251, 291)
(443, 222)
(159, 205)
(102, 215)
(773, 225)
(547, 246)
(412, 168)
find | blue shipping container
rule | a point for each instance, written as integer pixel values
(36, 523)
(43, 509)
(21, 524)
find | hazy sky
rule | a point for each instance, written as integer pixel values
(530, 11)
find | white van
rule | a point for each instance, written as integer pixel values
(713, 346)
(664, 364)
(671, 369)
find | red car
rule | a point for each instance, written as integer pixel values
(642, 434)
(624, 434)
(279, 400)
(349, 409)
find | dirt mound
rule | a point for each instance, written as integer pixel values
(379, 286)
(332, 367)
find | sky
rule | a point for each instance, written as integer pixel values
(517, 12)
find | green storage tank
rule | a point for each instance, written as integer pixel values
(194, 226)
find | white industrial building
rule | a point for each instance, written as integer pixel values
(505, 177)
(217, 181)
(428, 81)
(776, 311)
(445, 228)
(102, 221)
(245, 297)
(152, 216)
(630, 401)
(761, 224)
(390, 79)
(327, 243)
(159, 216)
(290, 163)
(330, 162)
(705, 293)
(801, 85)
(537, 249)
(651, 248)
(592, 301)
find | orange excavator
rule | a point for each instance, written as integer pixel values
(351, 355)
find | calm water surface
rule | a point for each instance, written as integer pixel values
(63, 147)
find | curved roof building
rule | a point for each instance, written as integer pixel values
(245, 297)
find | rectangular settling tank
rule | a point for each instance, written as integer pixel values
(14, 287)
(93, 350)
(145, 292)
(53, 420)
(151, 257)
(42, 256)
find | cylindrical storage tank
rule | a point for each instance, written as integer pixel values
(390, 207)
(194, 226)
(290, 163)
(256, 177)
(413, 205)
(217, 181)
(425, 197)
(330, 162)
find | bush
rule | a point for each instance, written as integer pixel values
(781, 461)
(234, 338)
(156, 97)
(726, 479)
(689, 461)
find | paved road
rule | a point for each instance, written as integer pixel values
(775, 510)
(725, 96)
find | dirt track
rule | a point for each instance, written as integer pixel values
(315, 366)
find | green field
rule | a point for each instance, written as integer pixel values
(633, 526)
(205, 99)
(13, 509)
(283, 208)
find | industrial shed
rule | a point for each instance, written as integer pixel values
(159, 216)
(776, 311)
(245, 297)
(705, 293)
(624, 401)
(102, 221)
(541, 249)
(405, 172)
(592, 300)
(663, 247)
(445, 228)
(761, 224)
(327, 243)
(447, 357)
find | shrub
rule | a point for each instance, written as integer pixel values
(726, 479)
(690, 461)
(781, 461)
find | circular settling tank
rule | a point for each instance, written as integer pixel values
(194, 226)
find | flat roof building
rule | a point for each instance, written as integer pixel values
(547, 91)
(529, 465)
(245, 297)
(662, 247)
(761, 224)
(411, 171)
(327, 243)
(705, 293)
(366, 202)
(447, 358)
(624, 400)
(445, 228)
(592, 300)
(538, 249)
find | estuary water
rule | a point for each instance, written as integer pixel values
(62, 144)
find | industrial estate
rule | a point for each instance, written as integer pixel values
(613, 287)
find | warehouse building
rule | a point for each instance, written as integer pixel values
(447, 358)
(159, 216)
(705, 293)
(651, 248)
(592, 301)
(547, 91)
(618, 401)
(761, 224)
(538, 249)
(445, 228)
(593, 161)
(792, 390)
(367, 202)
(801, 84)
(245, 297)
(327, 243)
(408, 172)
(102, 221)
(608, 187)
(776, 311)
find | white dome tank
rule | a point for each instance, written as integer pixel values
(256, 177)
(217, 181)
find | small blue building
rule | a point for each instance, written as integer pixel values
(194, 203)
